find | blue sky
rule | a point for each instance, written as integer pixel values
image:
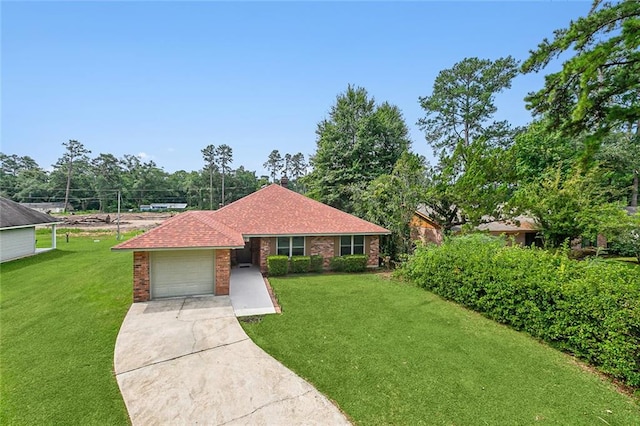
(165, 79)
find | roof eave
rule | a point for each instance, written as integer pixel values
(29, 225)
(175, 248)
(316, 234)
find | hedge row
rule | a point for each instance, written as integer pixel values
(589, 308)
(282, 265)
(349, 263)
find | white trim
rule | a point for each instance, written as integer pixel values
(27, 226)
(321, 234)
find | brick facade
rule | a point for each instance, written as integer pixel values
(424, 230)
(223, 272)
(374, 251)
(265, 251)
(324, 246)
(141, 279)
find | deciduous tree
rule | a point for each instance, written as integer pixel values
(391, 200)
(358, 142)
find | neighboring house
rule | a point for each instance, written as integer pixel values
(163, 206)
(522, 229)
(47, 208)
(425, 229)
(18, 230)
(193, 252)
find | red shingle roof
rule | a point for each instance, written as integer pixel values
(195, 229)
(271, 211)
(275, 210)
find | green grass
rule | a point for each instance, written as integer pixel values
(629, 261)
(391, 353)
(60, 315)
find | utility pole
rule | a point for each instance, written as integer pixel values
(118, 219)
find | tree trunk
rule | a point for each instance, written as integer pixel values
(210, 188)
(66, 194)
(634, 190)
(634, 186)
(223, 186)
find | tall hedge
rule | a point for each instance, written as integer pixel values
(588, 308)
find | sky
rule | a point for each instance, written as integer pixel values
(162, 80)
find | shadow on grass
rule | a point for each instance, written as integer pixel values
(14, 265)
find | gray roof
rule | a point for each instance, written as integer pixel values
(13, 214)
(43, 205)
(517, 224)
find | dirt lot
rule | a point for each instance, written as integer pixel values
(108, 222)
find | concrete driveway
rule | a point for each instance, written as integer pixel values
(188, 361)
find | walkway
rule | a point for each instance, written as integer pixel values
(248, 292)
(188, 361)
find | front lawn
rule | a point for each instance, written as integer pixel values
(391, 353)
(60, 315)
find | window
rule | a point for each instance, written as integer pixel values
(351, 244)
(290, 246)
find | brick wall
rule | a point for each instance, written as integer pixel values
(141, 280)
(423, 230)
(265, 251)
(223, 272)
(324, 246)
(374, 251)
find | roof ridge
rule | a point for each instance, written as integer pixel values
(220, 227)
(246, 196)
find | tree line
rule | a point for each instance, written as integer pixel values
(85, 183)
(573, 168)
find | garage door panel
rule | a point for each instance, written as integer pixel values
(182, 273)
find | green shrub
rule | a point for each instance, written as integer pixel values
(627, 244)
(316, 263)
(336, 264)
(300, 264)
(588, 308)
(277, 265)
(349, 263)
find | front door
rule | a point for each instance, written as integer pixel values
(244, 254)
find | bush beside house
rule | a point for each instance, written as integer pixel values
(282, 265)
(277, 265)
(300, 264)
(316, 263)
(588, 308)
(349, 263)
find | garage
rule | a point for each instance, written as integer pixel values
(15, 243)
(181, 273)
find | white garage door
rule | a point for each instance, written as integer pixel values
(182, 273)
